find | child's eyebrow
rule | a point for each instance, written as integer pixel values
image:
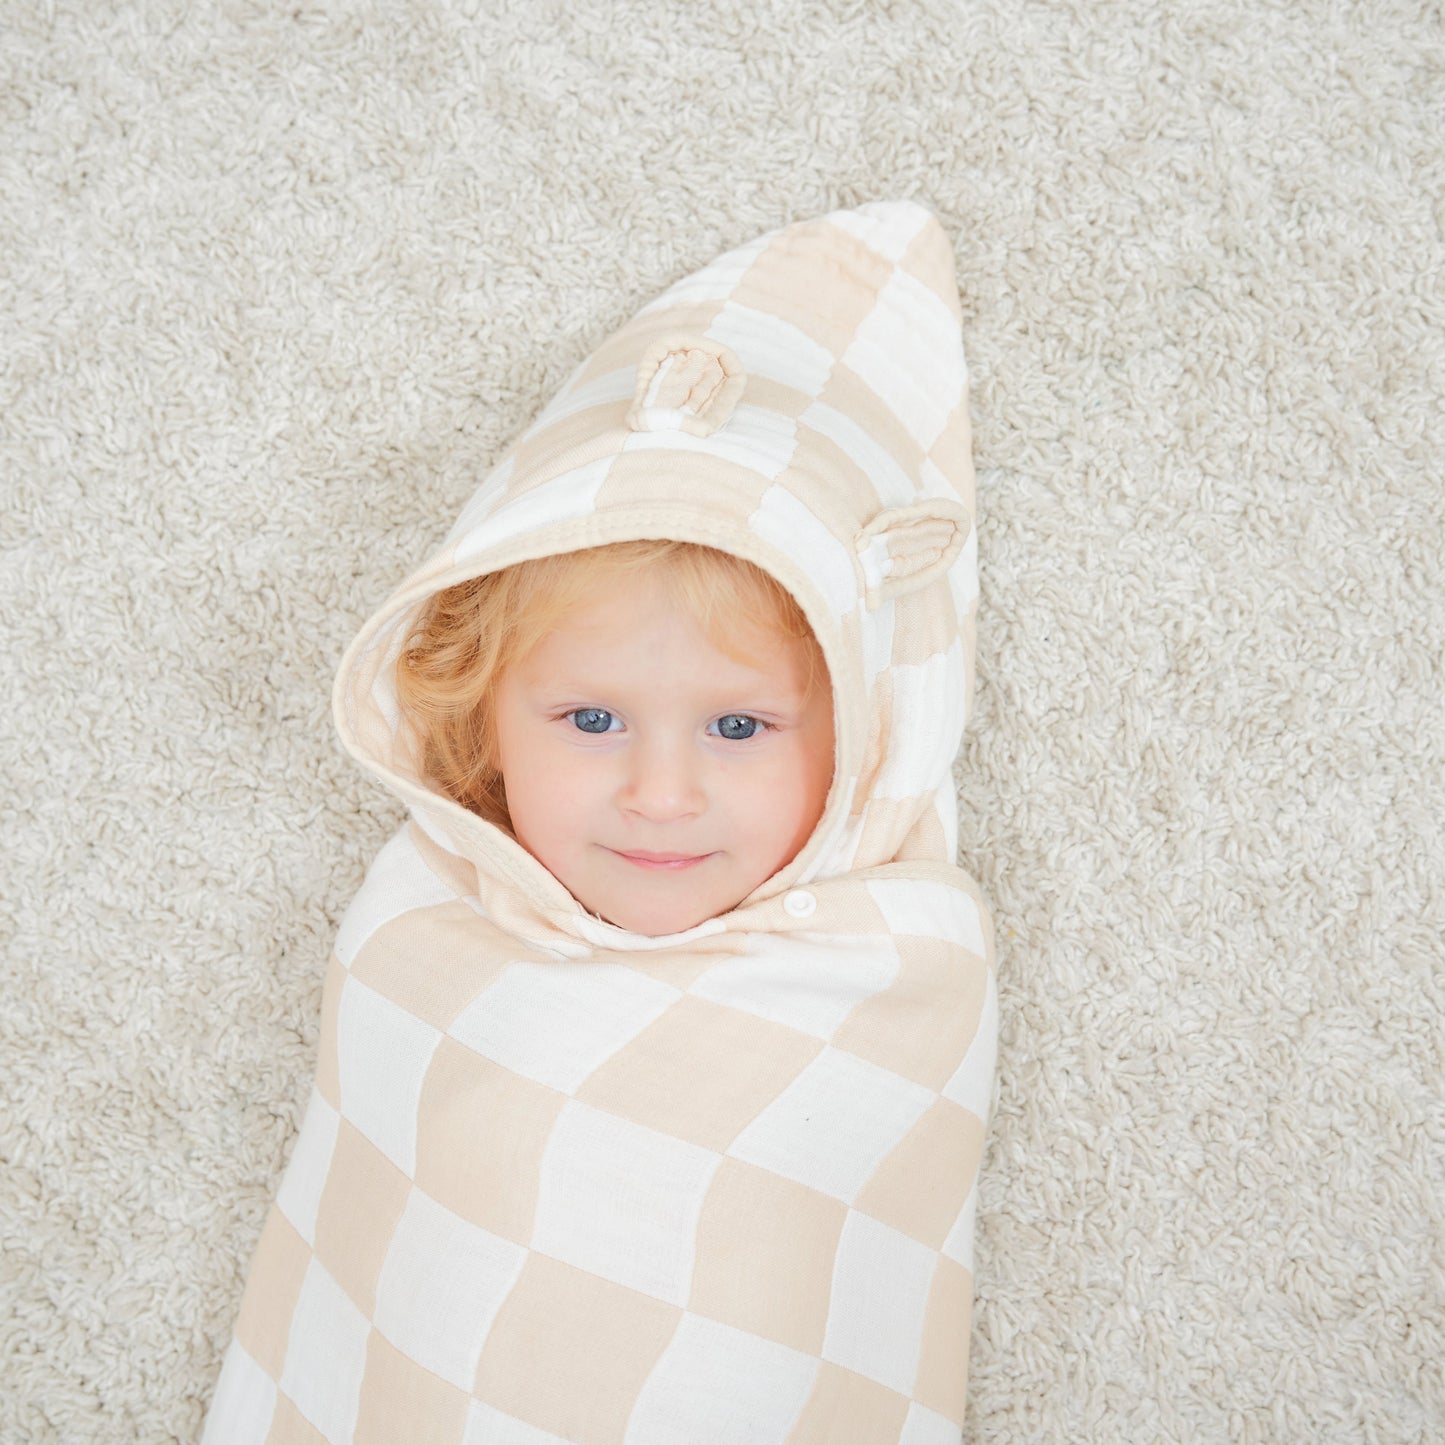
(763, 698)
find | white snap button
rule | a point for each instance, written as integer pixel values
(800, 903)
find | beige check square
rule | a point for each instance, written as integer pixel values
(700, 1072)
(921, 1186)
(765, 1251)
(277, 1268)
(404, 1404)
(481, 1133)
(943, 1365)
(290, 1427)
(847, 1406)
(782, 283)
(364, 1196)
(569, 1352)
(465, 954)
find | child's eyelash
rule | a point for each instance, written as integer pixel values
(763, 724)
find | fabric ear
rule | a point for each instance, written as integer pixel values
(686, 383)
(904, 548)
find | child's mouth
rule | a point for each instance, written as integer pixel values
(668, 861)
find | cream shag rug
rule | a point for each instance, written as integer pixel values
(277, 282)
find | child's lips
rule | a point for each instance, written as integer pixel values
(667, 861)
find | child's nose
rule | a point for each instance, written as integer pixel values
(664, 781)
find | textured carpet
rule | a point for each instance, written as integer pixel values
(278, 282)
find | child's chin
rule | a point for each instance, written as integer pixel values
(652, 922)
(651, 927)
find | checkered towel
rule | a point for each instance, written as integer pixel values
(560, 1182)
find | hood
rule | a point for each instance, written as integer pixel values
(800, 402)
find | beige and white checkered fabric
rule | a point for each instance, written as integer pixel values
(558, 1182)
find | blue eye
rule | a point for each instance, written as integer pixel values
(752, 724)
(586, 719)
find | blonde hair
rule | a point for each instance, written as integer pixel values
(466, 636)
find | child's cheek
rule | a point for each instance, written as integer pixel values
(570, 775)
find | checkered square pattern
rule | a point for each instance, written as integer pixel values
(557, 1184)
(734, 1226)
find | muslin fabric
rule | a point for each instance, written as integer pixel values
(561, 1182)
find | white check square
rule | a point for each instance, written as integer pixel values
(243, 1402)
(622, 1201)
(715, 1385)
(326, 1355)
(556, 1022)
(382, 1054)
(881, 1280)
(441, 1286)
(834, 1124)
(299, 1196)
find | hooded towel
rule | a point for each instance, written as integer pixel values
(561, 1182)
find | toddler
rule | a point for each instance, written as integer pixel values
(658, 1044)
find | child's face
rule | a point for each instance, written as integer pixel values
(626, 730)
